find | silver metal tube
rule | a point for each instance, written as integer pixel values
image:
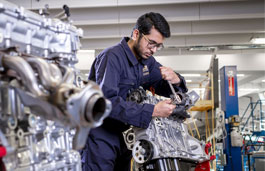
(69, 75)
(25, 71)
(176, 164)
(160, 165)
(44, 71)
(56, 72)
(165, 164)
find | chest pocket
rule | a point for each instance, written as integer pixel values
(125, 85)
(126, 82)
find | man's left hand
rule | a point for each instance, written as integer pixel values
(168, 74)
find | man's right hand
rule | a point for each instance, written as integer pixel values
(163, 108)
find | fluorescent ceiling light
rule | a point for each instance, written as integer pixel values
(203, 48)
(188, 81)
(86, 51)
(258, 40)
(263, 81)
(198, 89)
(248, 89)
(240, 75)
(191, 75)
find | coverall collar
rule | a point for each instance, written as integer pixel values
(128, 51)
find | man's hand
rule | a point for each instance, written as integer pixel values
(163, 108)
(168, 74)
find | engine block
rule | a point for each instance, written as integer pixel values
(166, 140)
(44, 116)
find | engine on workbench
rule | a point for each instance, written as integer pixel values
(166, 144)
(44, 116)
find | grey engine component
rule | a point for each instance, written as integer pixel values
(166, 141)
(44, 116)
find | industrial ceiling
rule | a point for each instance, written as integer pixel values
(199, 28)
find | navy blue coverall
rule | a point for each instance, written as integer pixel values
(117, 71)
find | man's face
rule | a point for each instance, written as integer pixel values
(146, 45)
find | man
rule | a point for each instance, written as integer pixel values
(117, 70)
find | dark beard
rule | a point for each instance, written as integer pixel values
(136, 49)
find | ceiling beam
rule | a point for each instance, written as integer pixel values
(178, 41)
(102, 15)
(181, 28)
(36, 4)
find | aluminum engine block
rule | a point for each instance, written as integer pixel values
(44, 116)
(165, 138)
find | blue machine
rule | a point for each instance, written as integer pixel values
(229, 104)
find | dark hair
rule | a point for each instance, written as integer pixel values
(145, 23)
